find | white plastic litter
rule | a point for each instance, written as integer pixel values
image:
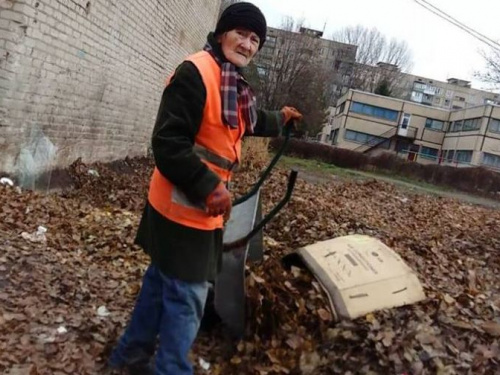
(37, 237)
(204, 364)
(103, 312)
(6, 181)
(62, 330)
(93, 172)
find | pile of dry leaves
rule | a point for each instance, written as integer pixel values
(69, 273)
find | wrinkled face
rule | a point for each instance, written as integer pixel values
(239, 46)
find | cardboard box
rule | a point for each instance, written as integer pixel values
(361, 275)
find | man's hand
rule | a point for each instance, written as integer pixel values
(290, 113)
(219, 202)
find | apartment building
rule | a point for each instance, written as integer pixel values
(452, 94)
(372, 123)
(336, 58)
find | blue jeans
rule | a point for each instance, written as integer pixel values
(171, 309)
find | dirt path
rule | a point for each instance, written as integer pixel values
(317, 177)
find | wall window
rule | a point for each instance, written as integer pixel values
(434, 124)
(405, 120)
(429, 153)
(340, 108)
(466, 125)
(370, 110)
(472, 124)
(419, 86)
(449, 155)
(463, 156)
(491, 160)
(459, 98)
(417, 96)
(271, 40)
(364, 138)
(494, 125)
(456, 126)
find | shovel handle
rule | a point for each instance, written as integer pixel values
(244, 240)
(287, 130)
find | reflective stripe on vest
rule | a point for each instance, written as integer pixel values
(217, 145)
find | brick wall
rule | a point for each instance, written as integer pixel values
(84, 78)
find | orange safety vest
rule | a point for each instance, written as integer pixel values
(217, 145)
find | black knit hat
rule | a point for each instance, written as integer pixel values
(245, 15)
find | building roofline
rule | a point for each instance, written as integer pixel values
(451, 84)
(320, 38)
(418, 104)
(398, 100)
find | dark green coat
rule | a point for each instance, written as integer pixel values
(181, 252)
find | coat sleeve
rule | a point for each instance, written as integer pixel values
(178, 121)
(269, 124)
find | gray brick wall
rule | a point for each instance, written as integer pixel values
(84, 78)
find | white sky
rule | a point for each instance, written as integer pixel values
(440, 50)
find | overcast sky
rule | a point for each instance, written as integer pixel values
(440, 50)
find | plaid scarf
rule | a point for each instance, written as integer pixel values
(235, 91)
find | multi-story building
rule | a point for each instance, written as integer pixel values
(453, 94)
(372, 123)
(336, 58)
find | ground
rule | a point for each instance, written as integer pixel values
(65, 295)
(318, 172)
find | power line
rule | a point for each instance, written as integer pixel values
(489, 42)
(449, 19)
(462, 24)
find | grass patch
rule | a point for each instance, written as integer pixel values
(319, 167)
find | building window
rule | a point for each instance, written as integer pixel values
(459, 98)
(466, 125)
(364, 138)
(405, 120)
(449, 155)
(494, 125)
(434, 124)
(370, 110)
(429, 153)
(341, 108)
(472, 124)
(419, 86)
(417, 96)
(456, 126)
(491, 160)
(463, 156)
(271, 40)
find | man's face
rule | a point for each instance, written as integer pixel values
(239, 46)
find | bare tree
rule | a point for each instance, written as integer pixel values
(492, 74)
(294, 76)
(378, 60)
